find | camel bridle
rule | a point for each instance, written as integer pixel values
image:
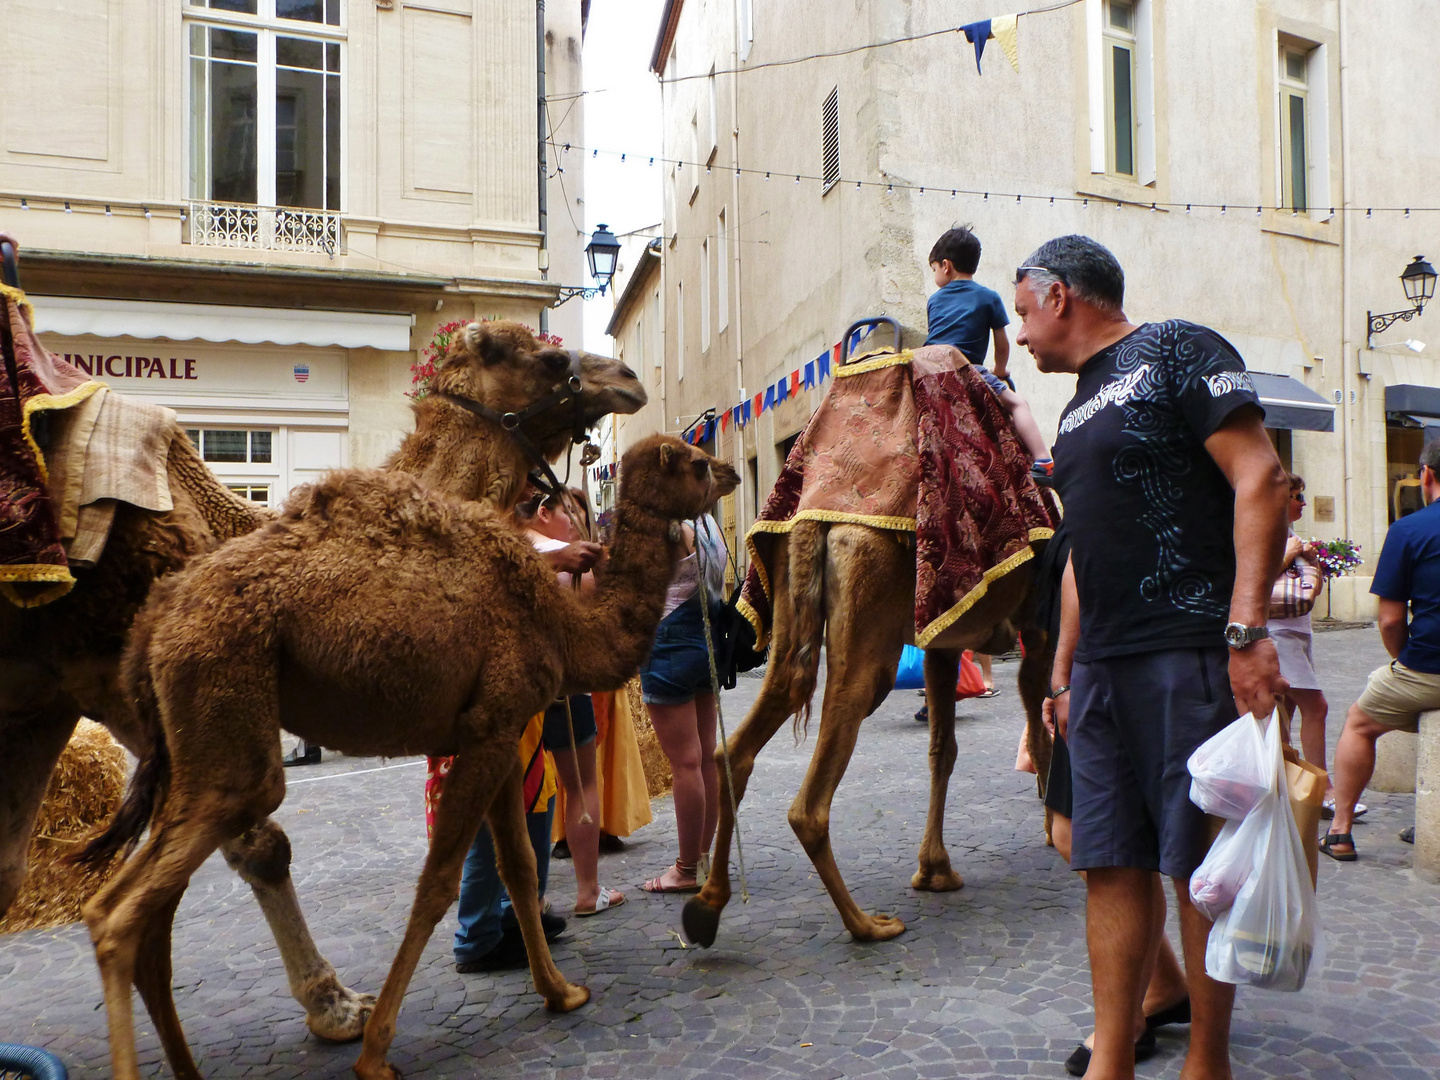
(513, 423)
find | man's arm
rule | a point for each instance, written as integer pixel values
(1057, 710)
(1394, 629)
(1242, 450)
(1002, 351)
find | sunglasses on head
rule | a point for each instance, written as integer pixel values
(1021, 271)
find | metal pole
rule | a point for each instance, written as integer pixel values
(542, 158)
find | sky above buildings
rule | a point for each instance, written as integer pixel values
(622, 113)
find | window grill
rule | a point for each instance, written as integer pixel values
(830, 140)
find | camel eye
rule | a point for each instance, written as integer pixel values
(555, 362)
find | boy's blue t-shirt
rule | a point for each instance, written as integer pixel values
(1409, 570)
(963, 313)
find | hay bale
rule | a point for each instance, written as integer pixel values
(85, 791)
(658, 778)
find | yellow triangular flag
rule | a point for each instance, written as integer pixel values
(1002, 29)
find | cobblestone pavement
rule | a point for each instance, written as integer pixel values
(991, 980)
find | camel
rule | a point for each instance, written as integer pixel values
(851, 588)
(61, 661)
(377, 615)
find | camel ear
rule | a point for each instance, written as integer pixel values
(667, 455)
(481, 342)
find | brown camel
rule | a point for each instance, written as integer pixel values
(378, 615)
(61, 661)
(854, 587)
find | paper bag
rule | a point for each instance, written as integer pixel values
(1307, 794)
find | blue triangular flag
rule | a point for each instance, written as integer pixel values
(824, 366)
(810, 371)
(978, 33)
(745, 411)
(769, 398)
(782, 390)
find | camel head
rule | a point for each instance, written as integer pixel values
(672, 479)
(502, 365)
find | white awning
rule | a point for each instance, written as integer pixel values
(75, 316)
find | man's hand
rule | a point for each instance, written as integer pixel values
(576, 558)
(1055, 712)
(1255, 678)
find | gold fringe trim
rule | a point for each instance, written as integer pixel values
(861, 364)
(969, 600)
(762, 636)
(58, 588)
(21, 301)
(51, 403)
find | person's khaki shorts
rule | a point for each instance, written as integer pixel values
(1396, 695)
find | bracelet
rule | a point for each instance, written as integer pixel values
(1057, 691)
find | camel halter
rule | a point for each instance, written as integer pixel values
(720, 712)
(511, 422)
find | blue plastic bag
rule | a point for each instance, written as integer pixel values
(910, 675)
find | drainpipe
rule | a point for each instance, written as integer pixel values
(540, 154)
(738, 333)
(1346, 247)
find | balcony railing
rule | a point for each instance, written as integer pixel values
(264, 228)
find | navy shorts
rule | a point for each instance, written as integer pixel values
(1134, 722)
(679, 666)
(556, 733)
(993, 381)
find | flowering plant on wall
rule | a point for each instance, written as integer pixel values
(423, 370)
(1336, 557)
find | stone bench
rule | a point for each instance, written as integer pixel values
(1406, 763)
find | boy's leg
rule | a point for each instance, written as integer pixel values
(1025, 425)
(479, 907)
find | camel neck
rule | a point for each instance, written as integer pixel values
(461, 455)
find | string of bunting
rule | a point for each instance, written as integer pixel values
(713, 422)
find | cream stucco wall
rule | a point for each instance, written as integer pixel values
(1290, 291)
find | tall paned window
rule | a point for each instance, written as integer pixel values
(704, 294)
(266, 102)
(722, 273)
(1294, 129)
(1119, 63)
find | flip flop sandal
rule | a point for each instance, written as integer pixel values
(657, 884)
(1407, 836)
(608, 899)
(1328, 842)
(990, 692)
(1327, 810)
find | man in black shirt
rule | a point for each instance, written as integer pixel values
(1175, 502)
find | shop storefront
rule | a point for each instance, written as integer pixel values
(265, 394)
(1412, 421)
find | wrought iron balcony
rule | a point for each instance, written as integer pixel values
(264, 228)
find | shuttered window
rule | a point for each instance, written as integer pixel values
(830, 140)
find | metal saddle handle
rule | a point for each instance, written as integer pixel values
(869, 325)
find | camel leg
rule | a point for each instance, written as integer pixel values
(136, 906)
(333, 1012)
(1035, 667)
(30, 745)
(481, 769)
(865, 629)
(942, 668)
(701, 914)
(152, 979)
(515, 859)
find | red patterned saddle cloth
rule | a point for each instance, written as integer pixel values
(913, 442)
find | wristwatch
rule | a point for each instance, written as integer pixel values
(1238, 635)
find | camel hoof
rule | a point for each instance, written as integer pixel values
(701, 921)
(343, 1017)
(386, 1071)
(570, 999)
(946, 880)
(879, 928)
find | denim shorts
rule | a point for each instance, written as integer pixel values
(1134, 722)
(556, 733)
(993, 381)
(679, 666)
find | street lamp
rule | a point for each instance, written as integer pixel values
(1418, 280)
(601, 253)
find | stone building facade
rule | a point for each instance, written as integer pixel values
(256, 212)
(1249, 163)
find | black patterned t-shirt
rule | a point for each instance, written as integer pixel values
(1151, 514)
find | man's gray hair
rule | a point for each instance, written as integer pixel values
(1084, 265)
(1430, 457)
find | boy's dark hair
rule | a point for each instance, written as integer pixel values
(960, 246)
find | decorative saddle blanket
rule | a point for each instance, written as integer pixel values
(913, 442)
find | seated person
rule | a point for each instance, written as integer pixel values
(964, 313)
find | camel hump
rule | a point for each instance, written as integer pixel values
(381, 504)
(225, 513)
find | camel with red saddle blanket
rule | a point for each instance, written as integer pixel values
(905, 513)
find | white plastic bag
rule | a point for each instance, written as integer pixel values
(1231, 771)
(1270, 935)
(1228, 865)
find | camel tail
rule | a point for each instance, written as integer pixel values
(807, 601)
(146, 793)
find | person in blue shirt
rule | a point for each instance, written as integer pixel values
(965, 314)
(1407, 581)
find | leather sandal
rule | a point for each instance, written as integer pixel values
(657, 884)
(1330, 840)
